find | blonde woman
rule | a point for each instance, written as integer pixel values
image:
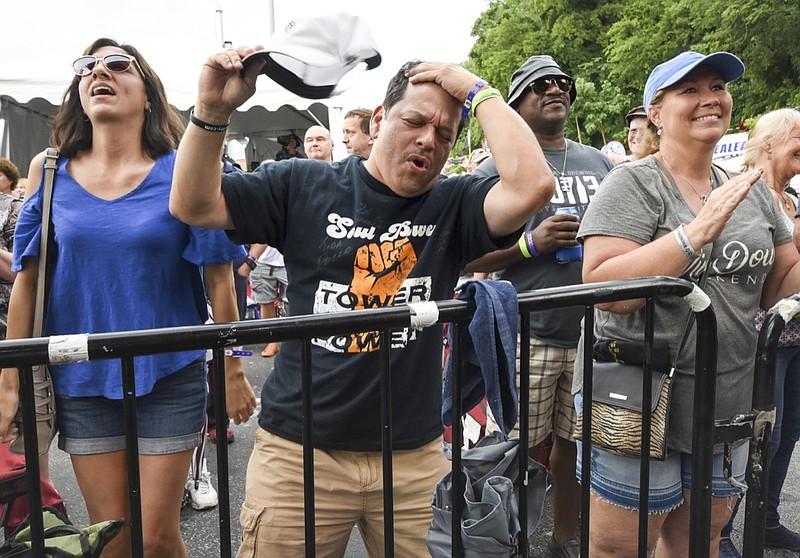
(674, 214)
(774, 145)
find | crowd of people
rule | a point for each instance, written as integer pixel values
(532, 207)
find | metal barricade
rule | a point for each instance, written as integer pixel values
(702, 433)
(758, 424)
(126, 345)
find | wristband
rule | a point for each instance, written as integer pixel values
(205, 125)
(526, 245)
(531, 246)
(685, 244)
(470, 96)
(250, 261)
(482, 95)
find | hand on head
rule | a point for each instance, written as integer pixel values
(453, 78)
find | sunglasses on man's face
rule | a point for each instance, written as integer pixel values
(542, 85)
(84, 65)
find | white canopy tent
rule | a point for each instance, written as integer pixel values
(28, 104)
(42, 37)
(26, 122)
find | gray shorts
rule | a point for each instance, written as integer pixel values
(264, 280)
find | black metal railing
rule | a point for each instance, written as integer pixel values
(759, 424)
(126, 345)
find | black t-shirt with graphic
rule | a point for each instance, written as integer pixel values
(351, 243)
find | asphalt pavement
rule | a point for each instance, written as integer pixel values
(201, 528)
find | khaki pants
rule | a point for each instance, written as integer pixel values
(348, 492)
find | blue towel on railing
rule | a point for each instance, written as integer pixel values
(488, 353)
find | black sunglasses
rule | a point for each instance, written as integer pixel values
(116, 62)
(542, 85)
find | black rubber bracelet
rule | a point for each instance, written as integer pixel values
(205, 125)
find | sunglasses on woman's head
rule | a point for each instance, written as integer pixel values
(542, 85)
(116, 62)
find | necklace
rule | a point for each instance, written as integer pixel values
(563, 165)
(787, 201)
(703, 198)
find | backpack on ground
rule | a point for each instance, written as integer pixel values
(62, 539)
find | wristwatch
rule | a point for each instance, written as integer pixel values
(251, 262)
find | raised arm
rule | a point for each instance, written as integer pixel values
(526, 184)
(196, 195)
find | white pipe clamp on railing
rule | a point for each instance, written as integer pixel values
(697, 299)
(423, 314)
(787, 308)
(68, 348)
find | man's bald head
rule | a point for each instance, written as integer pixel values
(318, 144)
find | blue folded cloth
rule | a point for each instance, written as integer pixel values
(488, 353)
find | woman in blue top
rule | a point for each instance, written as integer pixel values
(122, 262)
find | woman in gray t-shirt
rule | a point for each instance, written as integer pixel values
(672, 214)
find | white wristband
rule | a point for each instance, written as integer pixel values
(686, 246)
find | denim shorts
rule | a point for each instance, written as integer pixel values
(170, 418)
(615, 479)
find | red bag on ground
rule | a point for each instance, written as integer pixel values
(14, 491)
(474, 422)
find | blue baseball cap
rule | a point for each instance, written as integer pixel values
(674, 70)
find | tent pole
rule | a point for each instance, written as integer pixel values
(271, 4)
(223, 42)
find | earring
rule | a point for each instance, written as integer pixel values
(658, 132)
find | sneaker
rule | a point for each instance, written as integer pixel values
(570, 548)
(212, 432)
(727, 549)
(202, 494)
(782, 537)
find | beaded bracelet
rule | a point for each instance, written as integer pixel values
(205, 125)
(482, 95)
(470, 96)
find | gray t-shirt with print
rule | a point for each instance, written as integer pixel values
(584, 168)
(638, 202)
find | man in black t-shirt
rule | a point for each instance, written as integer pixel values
(384, 231)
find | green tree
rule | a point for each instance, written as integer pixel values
(610, 47)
